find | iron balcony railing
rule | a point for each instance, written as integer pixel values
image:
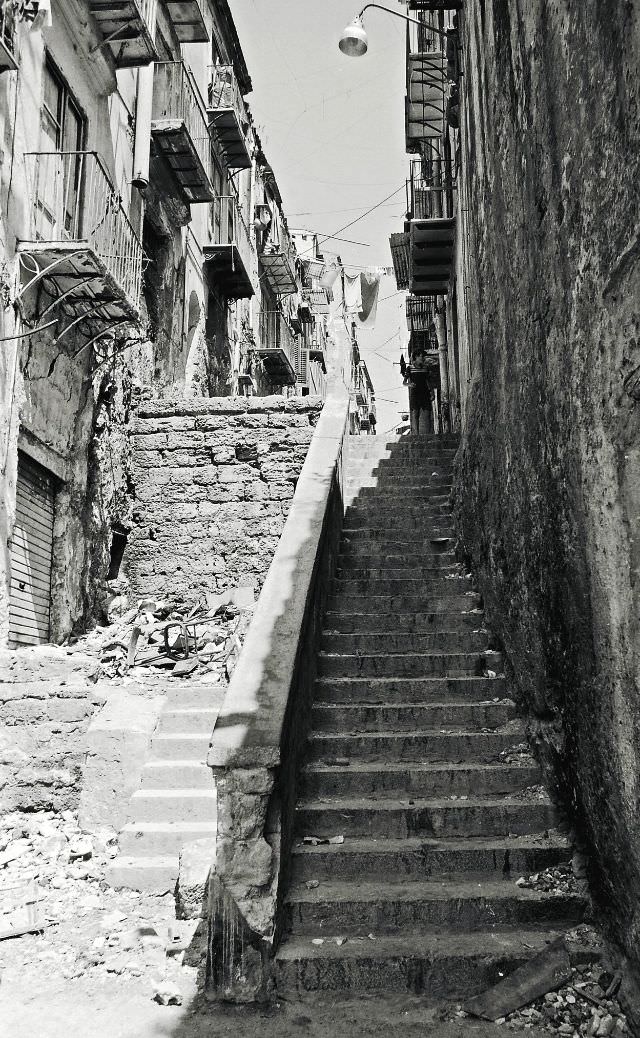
(73, 199)
(275, 334)
(229, 228)
(421, 313)
(430, 191)
(176, 97)
(224, 92)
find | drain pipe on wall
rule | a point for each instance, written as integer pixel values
(142, 143)
(443, 356)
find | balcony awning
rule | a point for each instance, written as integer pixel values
(319, 300)
(224, 264)
(277, 365)
(232, 136)
(129, 26)
(432, 251)
(425, 102)
(400, 255)
(279, 272)
(188, 21)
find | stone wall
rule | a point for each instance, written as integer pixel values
(549, 474)
(213, 483)
(47, 698)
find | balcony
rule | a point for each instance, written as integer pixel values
(88, 256)
(179, 130)
(426, 98)
(420, 313)
(401, 257)
(8, 61)
(188, 21)
(228, 117)
(128, 29)
(277, 348)
(432, 244)
(229, 257)
(317, 345)
(431, 188)
(278, 260)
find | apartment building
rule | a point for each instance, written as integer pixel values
(144, 250)
(423, 252)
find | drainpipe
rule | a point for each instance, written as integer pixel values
(443, 357)
(142, 144)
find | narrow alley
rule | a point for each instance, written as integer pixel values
(319, 488)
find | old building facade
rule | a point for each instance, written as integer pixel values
(145, 252)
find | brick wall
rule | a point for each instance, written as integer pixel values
(213, 483)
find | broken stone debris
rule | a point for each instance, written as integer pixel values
(174, 635)
(83, 926)
(584, 1005)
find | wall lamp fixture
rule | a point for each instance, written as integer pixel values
(354, 41)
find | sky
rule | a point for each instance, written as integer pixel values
(332, 127)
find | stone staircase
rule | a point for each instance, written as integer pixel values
(176, 802)
(415, 764)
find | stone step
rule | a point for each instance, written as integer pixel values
(178, 746)
(154, 875)
(355, 908)
(393, 529)
(161, 839)
(402, 515)
(373, 492)
(363, 541)
(426, 745)
(363, 562)
(423, 780)
(407, 690)
(176, 774)
(187, 721)
(440, 966)
(396, 604)
(405, 585)
(407, 623)
(401, 665)
(418, 858)
(382, 642)
(194, 696)
(436, 817)
(174, 805)
(431, 576)
(406, 717)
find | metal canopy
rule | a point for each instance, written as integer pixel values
(432, 249)
(277, 365)
(128, 28)
(279, 273)
(231, 136)
(400, 254)
(175, 143)
(188, 21)
(224, 264)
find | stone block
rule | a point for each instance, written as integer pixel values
(197, 863)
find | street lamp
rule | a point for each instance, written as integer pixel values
(354, 42)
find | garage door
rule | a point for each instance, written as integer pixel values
(31, 547)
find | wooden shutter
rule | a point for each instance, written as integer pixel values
(31, 548)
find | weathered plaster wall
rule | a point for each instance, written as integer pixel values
(213, 481)
(549, 474)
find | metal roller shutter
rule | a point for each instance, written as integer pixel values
(31, 548)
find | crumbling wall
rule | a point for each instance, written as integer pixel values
(548, 487)
(47, 698)
(213, 481)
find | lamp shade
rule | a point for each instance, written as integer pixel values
(353, 41)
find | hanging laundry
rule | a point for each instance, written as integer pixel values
(329, 275)
(369, 288)
(352, 294)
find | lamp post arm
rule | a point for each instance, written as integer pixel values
(405, 18)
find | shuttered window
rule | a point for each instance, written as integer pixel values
(31, 548)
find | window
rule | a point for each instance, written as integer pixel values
(61, 130)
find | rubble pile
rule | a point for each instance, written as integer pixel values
(559, 879)
(79, 924)
(585, 1007)
(176, 636)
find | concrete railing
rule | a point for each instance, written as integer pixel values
(261, 731)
